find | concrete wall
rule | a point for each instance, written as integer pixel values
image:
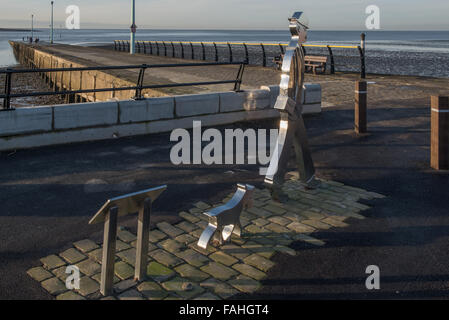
(59, 124)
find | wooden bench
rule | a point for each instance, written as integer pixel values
(315, 62)
(278, 61)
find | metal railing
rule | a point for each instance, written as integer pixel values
(8, 95)
(155, 47)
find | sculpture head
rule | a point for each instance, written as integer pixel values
(299, 23)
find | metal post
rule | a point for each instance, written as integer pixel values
(52, 24)
(362, 56)
(144, 47)
(331, 54)
(151, 47)
(143, 233)
(230, 52)
(216, 52)
(109, 239)
(238, 81)
(246, 53)
(157, 48)
(282, 48)
(204, 51)
(140, 83)
(32, 27)
(264, 55)
(165, 48)
(439, 145)
(7, 99)
(360, 107)
(193, 52)
(173, 49)
(182, 50)
(132, 49)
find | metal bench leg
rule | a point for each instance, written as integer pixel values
(207, 234)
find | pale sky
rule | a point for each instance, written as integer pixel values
(231, 14)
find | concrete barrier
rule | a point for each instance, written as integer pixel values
(60, 124)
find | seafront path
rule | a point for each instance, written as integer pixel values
(48, 195)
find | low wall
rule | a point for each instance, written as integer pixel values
(50, 125)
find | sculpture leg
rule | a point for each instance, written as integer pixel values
(207, 235)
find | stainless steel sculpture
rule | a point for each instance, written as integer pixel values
(292, 131)
(225, 220)
(120, 206)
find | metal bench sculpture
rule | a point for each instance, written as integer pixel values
(121, 206)
(292, 131)
(225, 220)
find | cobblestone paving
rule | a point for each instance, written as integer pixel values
(179, 269)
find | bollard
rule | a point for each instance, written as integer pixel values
(439, 145)
(360, 107)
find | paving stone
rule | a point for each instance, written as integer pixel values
(132, 294)
(189, 217)
(175, 285)
(309, 239)
(197, 212)
(253, 229)
(123, 270)
(97, 277)
(187, 226)
(152, 291)
(97, 255)
(236, 251)
(245, 284)
(70, 295)
(39, 274)
(219, 288)
(294, 216)
(207, 296)
(124, 285)
(52, 262)
(210, 249)
(262, 250)
(186, 239)
(202, 205)
(158, 272)
(219, 271)
(169, 229)
(275, 209)
(85, 245)
(129, 256)
(193, 257)
(202, 224)
(89, 267)
(120, 245)
(285, 249)
(197, 233)
(223, 258)
(260, 222)
(165, 258)
(171, 245)
(249, 271)
(88, 286)
(54, 286)
(335, 222)
(300, 228)
(60, 273)
(277, 228)
(191, 273)
(280, 220)
(72, 255)
(155, 236)
(125, 235)
(316, 224)
(260, 212)
(259, 262)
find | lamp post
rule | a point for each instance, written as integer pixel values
(32, 27)
(132, 47)
(51, 31)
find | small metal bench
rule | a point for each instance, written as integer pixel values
(225, 220)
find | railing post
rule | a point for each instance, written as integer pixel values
(151, 48)
(165, 48)
(282, 48)
(115, 45)
(362, 63)
(439, 145)
(173, 49)
(138, 46)
(140, 83)
(7, 99)
(238, 81)
(204, 51)
(108, 261)
(230, 53)
(182, 50)
(144, 47)
(143, 233)
(157, 48)
(246, 53)
(331, 54)
(360, 107)
(216, 52)
(193, 52)
(264, 56)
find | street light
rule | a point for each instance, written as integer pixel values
(51, 31)
(132, 47)
(32, 27)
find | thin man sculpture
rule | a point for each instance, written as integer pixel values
(225, 220)
(292, 131)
